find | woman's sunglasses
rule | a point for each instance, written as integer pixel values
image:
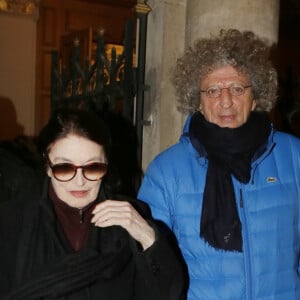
(66, 171)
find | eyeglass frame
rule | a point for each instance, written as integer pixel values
(225, 88)
(75, 168)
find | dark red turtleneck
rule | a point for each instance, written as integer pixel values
(74, 221)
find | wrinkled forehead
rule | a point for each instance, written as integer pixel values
(223, 73)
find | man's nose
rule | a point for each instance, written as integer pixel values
(225, 98)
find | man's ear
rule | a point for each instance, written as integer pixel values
(253, 105)
(200, 108)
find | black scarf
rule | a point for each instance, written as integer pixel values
(230, 151)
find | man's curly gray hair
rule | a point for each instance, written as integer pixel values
(244, 51)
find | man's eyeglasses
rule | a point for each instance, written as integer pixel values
(235, 89)
(66, 171)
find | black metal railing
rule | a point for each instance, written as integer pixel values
(100, 85)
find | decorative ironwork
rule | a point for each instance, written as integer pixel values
(107, 84)
(142, 7)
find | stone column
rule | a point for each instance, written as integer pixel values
(165, 42)
(173, 25)
(206, 17)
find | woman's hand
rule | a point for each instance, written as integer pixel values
(122, 213)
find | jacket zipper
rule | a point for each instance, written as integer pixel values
(81, 216)
(248, 267)
(247, 255)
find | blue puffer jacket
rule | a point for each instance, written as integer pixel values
(268, 206)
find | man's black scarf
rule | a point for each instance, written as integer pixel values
(230, 151)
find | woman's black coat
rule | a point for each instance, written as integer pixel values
(37, 262)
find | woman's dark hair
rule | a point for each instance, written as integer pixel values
(85, 124)
(79, 122)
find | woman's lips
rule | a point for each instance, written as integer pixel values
(79, 194)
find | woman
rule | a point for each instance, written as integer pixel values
(230, 188)
(80, 240)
